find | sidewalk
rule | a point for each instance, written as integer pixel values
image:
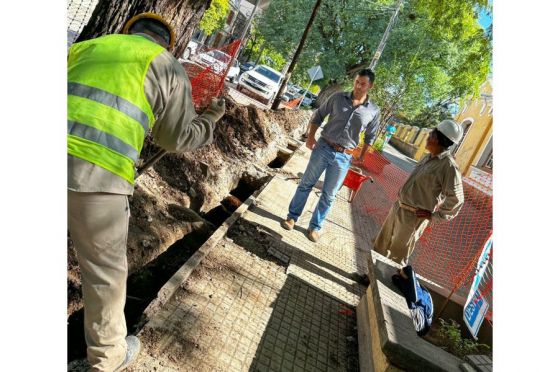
(267, 299)
(399, 159)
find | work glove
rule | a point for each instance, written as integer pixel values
(215, 110)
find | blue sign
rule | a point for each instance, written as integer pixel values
(474, 313)
(476, 306)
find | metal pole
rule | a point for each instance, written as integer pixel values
(278, 99)
(383, 41)
(309, 86)
(244, 33)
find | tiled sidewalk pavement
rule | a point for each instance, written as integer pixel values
(216, 319)
(243, 311)
(308, 331)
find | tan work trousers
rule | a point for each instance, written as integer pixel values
(399, 234)
(98, 224)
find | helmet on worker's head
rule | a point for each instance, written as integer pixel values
(153, 23)
(451, 130)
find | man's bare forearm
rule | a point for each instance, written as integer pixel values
(312, 129)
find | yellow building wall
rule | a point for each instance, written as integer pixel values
(479, 132)
(421, 142)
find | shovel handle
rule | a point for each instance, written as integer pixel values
(148, 163)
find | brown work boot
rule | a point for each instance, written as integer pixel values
(288, 224)
(313, 235)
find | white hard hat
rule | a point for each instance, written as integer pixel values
(451, 130)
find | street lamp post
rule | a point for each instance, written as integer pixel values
(247, 25)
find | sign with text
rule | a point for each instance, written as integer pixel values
(476, 306)
(474, 312)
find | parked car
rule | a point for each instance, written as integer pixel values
(215, 59)
(309, 98)
(286, 97)
(262, 82)
(293, 88)
(233, 71)
(218, 61)
(247, 66)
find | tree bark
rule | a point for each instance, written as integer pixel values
(110, 16)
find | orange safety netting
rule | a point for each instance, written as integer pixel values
(207, 70)
(447, 252)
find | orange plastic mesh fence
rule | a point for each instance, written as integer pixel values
(447, 252)
(208, 69)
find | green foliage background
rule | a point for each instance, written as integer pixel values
(215, 16)
(436, 53)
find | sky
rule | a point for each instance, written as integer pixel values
(485, 19)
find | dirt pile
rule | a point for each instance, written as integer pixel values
(171, 199)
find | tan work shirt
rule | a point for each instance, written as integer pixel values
(435, 185)
(177, 127)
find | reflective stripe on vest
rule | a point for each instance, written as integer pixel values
(111, 100)
(95, 135)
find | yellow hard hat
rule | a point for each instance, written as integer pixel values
(158, 18)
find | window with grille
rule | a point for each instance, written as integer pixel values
(488, 163)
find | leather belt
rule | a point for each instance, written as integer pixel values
(338, 148)
(407, 207)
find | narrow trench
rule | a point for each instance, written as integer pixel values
(281, 159)
(292, 146)
(237, 196)
(144, 284)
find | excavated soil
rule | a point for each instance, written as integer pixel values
(179, 201)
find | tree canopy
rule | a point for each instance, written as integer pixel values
(436, 53)
(215, 16)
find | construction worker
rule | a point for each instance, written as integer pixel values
(119, 87)
(432, 192)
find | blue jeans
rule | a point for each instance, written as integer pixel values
(336, 165)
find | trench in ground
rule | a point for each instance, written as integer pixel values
(144, 284)
(281, 159)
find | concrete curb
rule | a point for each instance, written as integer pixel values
(185, 271)
(395, 343)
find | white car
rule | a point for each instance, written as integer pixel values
(218, 61)
(262, 81)
(233, 71)
(215, 59)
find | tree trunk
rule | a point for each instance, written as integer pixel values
(326, 92)
(110, 16)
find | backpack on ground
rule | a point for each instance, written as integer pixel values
(418, 299)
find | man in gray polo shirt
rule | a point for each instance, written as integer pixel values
(350, 114)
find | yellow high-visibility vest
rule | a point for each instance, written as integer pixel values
(108, 112)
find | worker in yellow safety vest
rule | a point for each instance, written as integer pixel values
(120, 87)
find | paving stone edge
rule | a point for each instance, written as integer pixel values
(184, 272)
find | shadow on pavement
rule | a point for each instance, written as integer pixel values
(307, 331)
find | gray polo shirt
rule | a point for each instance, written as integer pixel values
(346, 122)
